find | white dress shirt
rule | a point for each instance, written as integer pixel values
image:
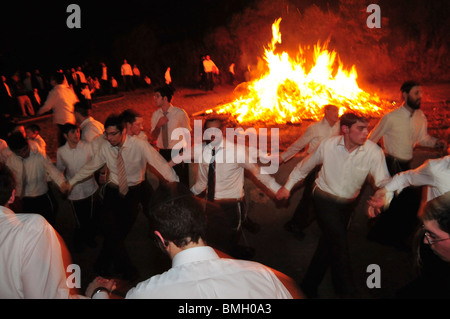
(230, 166)
(343, 173)
(209, 66)
(199, 273)
(401, 131)
(126, 69)
(312, 137)
(434, 173)
(90, 129)
(36, 169)
(71, 160)
(136, 154)
(61, 99)
(177, 118)
(30, 257)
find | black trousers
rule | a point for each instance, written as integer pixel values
(182, 169)
(397, 224)
(304, 212)
(224, 224)
(120, 213)
(42, 205)
(333, 218)
(84, 213)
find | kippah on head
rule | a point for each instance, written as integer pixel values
(16, 141)
(408, 85)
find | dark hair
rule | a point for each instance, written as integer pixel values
(211, 120)
(408, 85)
(438, 209)
(82, 108)
(178, 216)
(66, 128)
(34, 128)
(58, 77)
(129, 116)
(349, 118)
(114, 120)
(166, 91)
(7, 184)
(16, 141)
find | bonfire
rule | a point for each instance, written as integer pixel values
(290, 91)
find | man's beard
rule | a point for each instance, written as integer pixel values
(415, 105)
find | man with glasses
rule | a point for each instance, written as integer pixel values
(126, 158)
(433, 253)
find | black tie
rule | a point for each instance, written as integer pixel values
(211, 177)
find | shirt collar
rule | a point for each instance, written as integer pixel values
(193, 255)
(341, 142)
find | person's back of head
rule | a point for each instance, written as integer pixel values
(178, 215)
(82, 109)
(129, 116)
(58, 77)
(16, 142)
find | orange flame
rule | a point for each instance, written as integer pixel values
(287, 93)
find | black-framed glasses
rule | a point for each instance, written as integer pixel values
(430, 238)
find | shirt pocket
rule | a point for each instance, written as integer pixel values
(359, 174)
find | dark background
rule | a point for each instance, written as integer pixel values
(412, 42)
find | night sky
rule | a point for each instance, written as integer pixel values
(34, 33)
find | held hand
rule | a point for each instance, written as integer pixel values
(65, 187)
(282, 193)
(376, 202)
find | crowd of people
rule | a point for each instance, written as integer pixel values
(102, 167)
(23, 93)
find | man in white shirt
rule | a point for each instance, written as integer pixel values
(30, 251)
(127, 75)
(90, 128)
(104, 79)
(401, 130)
(226, 188)
(165, 120)
(346, 161)
(70, 158)
(126, 158)
(31, 169)
(210, 69)
(33, 257)
(134, 124)
(197, 270)
(314, 134)
(61, 100)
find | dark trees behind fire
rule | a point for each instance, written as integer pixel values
(413, 41)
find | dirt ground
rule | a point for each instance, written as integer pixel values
(274, 246)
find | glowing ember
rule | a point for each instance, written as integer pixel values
(288, 93)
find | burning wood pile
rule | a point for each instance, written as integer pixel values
(293, 90)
